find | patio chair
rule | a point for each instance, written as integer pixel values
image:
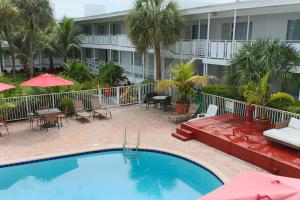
(183, 117)
(148, 99)
(167, 103)
(99, 110)
(212, 110)
(32, 118)
(51, 120)
(63, 115)
(3, 124)
(80, 111)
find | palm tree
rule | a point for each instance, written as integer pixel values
(256, 59)
(36, 14)
(9, 23)
(152, 23)
(49, 43)
(184, 81)
(69, 37)
(259, 93)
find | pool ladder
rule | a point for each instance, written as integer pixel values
(131, 150)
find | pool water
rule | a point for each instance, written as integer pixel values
(107, 176)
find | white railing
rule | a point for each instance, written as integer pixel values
(109, 97)
(121, 40)
(239, 108)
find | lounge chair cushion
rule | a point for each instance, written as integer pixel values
(294, 123)
(83, 114)
(288, 135)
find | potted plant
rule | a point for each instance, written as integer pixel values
(4, 108)
(184, 80)
(67, 104)
(259, 94)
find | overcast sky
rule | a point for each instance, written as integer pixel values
(75, 8)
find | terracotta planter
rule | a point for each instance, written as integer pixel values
(250, 111)
(182, 108)
(262, 124)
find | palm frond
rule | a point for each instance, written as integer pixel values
(199, 80)
(165, 84)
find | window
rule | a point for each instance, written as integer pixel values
(138, 59)
(87, 29)
(116, 29)
(115, 56)
(240, 31)
(88, 53)
(101, 29)
(293, 30)
(203, 31)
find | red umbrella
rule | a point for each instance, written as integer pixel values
(4, 86)
(257, 186)
(46, 80)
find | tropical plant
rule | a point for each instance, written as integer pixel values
(152, 23)
(111, 75)
(184, 80)
(78, 71)
(35, 15)
(48, 43)
(260, 94)
(255, 59)
(9, 23)
(69, 37)
(5, 107)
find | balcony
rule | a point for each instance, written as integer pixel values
(114, 40)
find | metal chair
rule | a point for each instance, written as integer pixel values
(51, 120)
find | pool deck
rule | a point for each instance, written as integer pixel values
(23, 144)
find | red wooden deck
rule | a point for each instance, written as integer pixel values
(250, 146)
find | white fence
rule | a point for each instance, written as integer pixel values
(239, 107)
(109, 97)
(128, 95)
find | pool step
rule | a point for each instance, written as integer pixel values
(183, 134)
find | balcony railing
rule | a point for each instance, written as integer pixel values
(115, 40)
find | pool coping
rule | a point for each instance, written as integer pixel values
(218, 173)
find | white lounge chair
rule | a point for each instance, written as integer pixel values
(212, 110)
(286, 133)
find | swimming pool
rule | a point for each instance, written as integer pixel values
(107, 175)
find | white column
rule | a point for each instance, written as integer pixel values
(233, 33)
(109, 32)
(109, 55)
(119, 56)
(199, 30)
(154, 66)
(94, 53)
(133, 64)
(248, 27)
(81, 56)
(208, 30)
(143, 59)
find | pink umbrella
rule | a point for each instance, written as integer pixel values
(4, 86)
(257, 186)
(47, 80)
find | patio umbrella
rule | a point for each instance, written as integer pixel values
(4, 86)
(257, 186)
(46, 80)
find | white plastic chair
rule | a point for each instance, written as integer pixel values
(212, 110)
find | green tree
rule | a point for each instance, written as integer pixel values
(35, 14)
(152, 23)
(48, 43)
(184, 80)
(78, 71)
(9, 23)
(256, 59)
(259, 93)
(111, 74)
(69, 37)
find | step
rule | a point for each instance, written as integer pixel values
(184, 132)
(181, 137)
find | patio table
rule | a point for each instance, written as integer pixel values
(160, 100)
(48, 111)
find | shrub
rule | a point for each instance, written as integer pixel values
(111, 75)
(281, 103)
(78, 71)
(147, 81)
(223, 91)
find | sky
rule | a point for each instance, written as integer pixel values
(75, 8)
